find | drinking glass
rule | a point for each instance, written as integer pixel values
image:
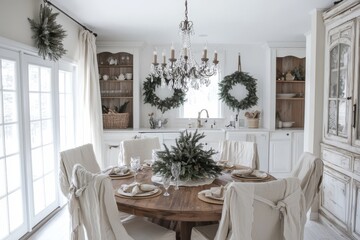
(135, 166)
(154, 156)
(175, 171)
(166, 183)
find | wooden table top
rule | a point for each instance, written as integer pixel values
(182, 205)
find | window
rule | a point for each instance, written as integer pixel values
(205, 97)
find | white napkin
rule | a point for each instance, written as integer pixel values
(136, 188)
(242, 171)
(215, 193)
(259, 174)
(119, 171)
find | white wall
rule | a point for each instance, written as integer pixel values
(15, 26)
(253, 61)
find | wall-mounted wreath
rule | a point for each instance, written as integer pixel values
(229, 82)
(176, 100)
(48, 34)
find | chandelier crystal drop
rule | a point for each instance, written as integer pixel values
(185, 72)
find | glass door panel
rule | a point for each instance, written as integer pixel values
(41, 119)
(12, 180)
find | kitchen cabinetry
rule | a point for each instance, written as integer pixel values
(120, 62)
(341, 145)
(280, 158)
(290, 89)
(335, 196)
(116, 83)
(285, 148)
(111, 145)
(260, 138)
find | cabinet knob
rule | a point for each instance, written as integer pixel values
(348, 98)
(287, 134)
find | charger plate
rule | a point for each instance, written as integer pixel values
(123, 176)
(150, 194)
(202, 197)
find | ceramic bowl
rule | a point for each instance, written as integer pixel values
(128, 76)
(287, 124)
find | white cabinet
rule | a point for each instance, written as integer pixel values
(280, 155)
(341, 145)
(112, 141)
(260, 138)
(167, 138)
(297, 146)
(212, 138)
(335, 195)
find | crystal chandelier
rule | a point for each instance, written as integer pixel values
(185, 72)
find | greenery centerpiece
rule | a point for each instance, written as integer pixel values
(196, 163)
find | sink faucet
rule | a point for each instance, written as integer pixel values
(199, 125)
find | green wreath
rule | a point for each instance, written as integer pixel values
(176, 100)
(48, 34)
(238, 78)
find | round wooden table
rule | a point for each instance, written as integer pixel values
(182, 205)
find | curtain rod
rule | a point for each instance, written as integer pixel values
(50, 3)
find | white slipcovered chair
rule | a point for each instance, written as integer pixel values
(239, 152)
(83, 155)
(259, 211)
(137, 147)
(92, 206)
(309, 170)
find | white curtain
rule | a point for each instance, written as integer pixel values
(89, 112)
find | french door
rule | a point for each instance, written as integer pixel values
(39, 115)
(29, 139)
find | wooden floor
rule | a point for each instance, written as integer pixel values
(57, 228)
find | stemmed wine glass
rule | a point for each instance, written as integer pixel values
(175, 171)
(154, 156)
(166, 183)
(135, 166)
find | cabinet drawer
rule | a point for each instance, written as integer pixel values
(335, 194)
(281, 135)
(337, 158)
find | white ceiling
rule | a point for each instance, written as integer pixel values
(215, 21)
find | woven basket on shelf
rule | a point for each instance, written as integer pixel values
(116, 120)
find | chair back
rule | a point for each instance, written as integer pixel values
(240, 152)
(83, 155)
(309, 170)
(258, 211)
(92, 206)
(137, 147)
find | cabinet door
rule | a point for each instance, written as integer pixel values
(356, 211)
(356, 99)
(297, 146)
(280, 158)
(339, 80)
(335, 194)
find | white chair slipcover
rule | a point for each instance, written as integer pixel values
(239, 152)
(83, 155)
(138, 147)
(259, 211)
(309, 170)
(92, 206)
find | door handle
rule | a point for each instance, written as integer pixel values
(354, 116)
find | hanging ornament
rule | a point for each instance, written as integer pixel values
(48, 35)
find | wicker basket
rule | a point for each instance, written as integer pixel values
(253, 122)
(116, 120)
